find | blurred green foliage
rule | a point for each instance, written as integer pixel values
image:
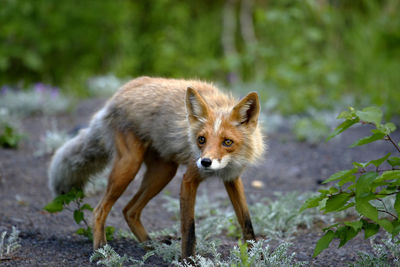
(305, 53)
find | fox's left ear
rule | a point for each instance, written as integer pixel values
(247, 110)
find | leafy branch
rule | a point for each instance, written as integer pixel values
(362, 188)
(61, 202)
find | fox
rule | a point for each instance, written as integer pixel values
(163, 123)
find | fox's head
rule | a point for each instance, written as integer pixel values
(224, 139)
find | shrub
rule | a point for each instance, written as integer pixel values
(40, 99)
(364, 187)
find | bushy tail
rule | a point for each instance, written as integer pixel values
(79, 158)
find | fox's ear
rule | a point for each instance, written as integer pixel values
(196, 107)
(247, 110)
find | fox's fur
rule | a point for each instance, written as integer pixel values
(162, 122)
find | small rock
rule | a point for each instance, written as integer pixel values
(257, 184)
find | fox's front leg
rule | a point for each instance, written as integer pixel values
(236, 194)
(190, 183)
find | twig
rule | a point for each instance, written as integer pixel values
(363, 170)
(386, 211)
(389, 213)
(389, 194)
(393, 142)
(78, 203)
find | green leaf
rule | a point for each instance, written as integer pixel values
(370, 114)
(345, 233)
(80, 231)
(394, 161)
(368, 139)
(343, 126)
(78, 216)
(366, 209)
(85, 232)
(356, 225)
(330, 227)
(388, 175)
(397, 204)
(386, 224)
(396, 228)
(9, 137)
(379, 161)
(349, 205)
(363, 184)
(110, 230)
(86, 207)
(348, 115)
(388, 188)
(54, 206)
(340, 175)
(312, 202)
(323, 242)
(370, 229)
(350, 178)
(361, 164)
(387, 128)
(336, 202)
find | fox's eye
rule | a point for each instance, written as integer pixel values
(201, 140)
(227, 142)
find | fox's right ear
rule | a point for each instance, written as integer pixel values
(196, 107)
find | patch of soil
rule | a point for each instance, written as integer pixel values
(50, 239)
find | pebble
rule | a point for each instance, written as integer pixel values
(257, 184)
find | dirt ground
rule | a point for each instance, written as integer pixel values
(49, 239)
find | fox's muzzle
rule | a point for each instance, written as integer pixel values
(212, 164)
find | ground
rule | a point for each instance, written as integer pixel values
(49, 239)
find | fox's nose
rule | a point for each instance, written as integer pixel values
(206, 162)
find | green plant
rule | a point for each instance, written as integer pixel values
(280, 219)
(52, 140)
(10, 246)
(385, 254)
(9, 133)
(9, 137)
(61, 202)
(39, 99)
(364, 187)
(109, 257)
(259, 254)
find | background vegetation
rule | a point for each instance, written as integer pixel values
(304, 54)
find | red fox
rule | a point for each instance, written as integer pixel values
(163, 123)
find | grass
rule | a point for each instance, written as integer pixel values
(260, 254)
(8, 246)
(384, 254)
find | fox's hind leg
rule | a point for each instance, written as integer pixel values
(128, 158)
(158, 174)
(236, 194)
